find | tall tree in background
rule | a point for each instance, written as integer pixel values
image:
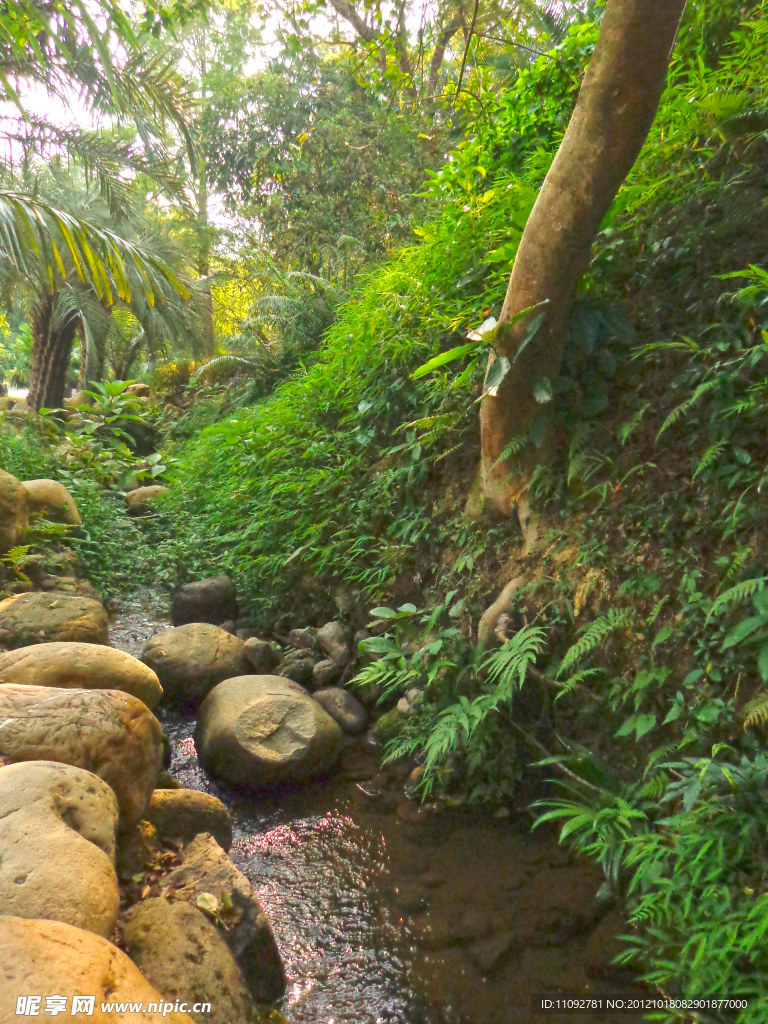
(615, 109)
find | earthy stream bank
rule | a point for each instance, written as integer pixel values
(384, 913)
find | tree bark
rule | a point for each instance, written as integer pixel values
(615, 109)
(51, 351)
(438, 54)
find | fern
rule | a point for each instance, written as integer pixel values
(756, 711)
(594, 634)
(629, 427)
(576, 680)
(515, 445)
(710, 455)
(235, 362)
(15, 558)
(738, 593)
(688, 404)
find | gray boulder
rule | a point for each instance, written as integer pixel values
(190, 660)
(260, 655)
(325, 672)
(304, 639)
(298, 666)
(343, 708)
(57, 846)
(333, 640)
(213, 600)
(261, 730)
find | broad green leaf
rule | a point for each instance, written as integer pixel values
(762, 662)
(742, 630)
(627, 727)
(644, 724)
(443, 358)
(383, 613)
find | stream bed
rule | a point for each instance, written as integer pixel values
(388, 914)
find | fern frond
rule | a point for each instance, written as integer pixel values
(688, 404)
(515, 445)
(738, 593)
(17, 555)
(594, 634)
(756, 711)
(709, 456)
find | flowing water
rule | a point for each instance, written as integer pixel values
(386, 913)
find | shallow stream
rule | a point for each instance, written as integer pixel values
(386, 913)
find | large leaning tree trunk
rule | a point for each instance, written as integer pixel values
(614, 112)
(53, 339)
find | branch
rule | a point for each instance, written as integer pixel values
(350, 14)
(438, 54)
(466, 48)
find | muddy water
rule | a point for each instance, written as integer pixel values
(385, 913)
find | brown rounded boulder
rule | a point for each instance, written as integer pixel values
(52, 498)
(181, 953)
(190, 660)
(107, 732)
(39, 618)
(14, 511)
(182, 814)
(78, 666)
(261, 730)
(57, 846)
(141, 499)
(43, 958)
(207, 874)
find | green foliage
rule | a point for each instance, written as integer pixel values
(466, 701)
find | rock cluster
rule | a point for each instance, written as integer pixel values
(81, 755)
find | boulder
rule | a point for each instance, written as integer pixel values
(303, 639)
(57, 846)
(260, 730)
(182, 814)
(181, 953)
(77, 666)
(53, 499)
(140, 499)
(190, 660)
(13, 511)
(108, 732)
(206, 872)
(324, 673)
(212, 600)
(39, 618)
(260, 655)
(138, 390)
(343, 708)
(50, 959)
(298, 666)
(333, 640)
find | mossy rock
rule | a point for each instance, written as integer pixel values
(388, 726)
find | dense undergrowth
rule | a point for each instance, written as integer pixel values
(636, 608)
(635, 651)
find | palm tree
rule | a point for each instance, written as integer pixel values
(58, 44)
(144, 274)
